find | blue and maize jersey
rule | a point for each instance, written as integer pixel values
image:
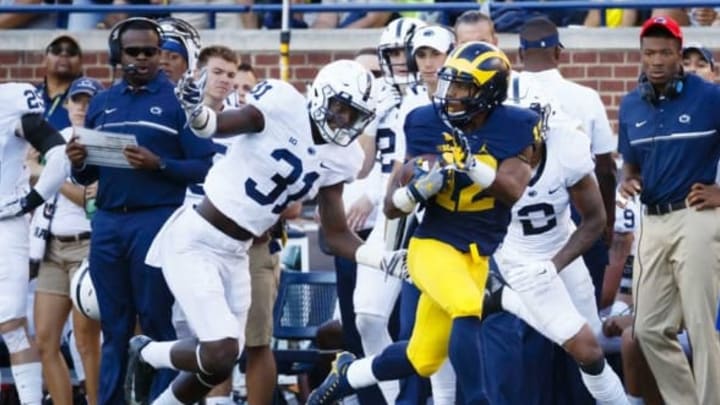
(462, 214)
(674, 143)
(153, 114)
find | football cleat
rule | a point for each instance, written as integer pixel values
(139, 374)
(336, 385)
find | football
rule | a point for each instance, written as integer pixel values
(410, 168)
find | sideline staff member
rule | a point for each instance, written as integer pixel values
(668, 136)
(133, 204)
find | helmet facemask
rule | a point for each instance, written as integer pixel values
(395, 72)
(339, 118)
(459, 98)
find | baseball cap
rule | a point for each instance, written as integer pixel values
(85, 85)
(534, 28)
(666, 23)
(704, 52)
(435, 37)
(63, 37)
(173, 44)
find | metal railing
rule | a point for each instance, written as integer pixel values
(389, 7)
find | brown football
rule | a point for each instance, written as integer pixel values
(425, 161)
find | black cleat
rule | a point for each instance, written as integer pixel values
(139, 374)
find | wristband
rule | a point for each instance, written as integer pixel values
(369, 255)
(481, 173)
(205, 124)
(403, 200)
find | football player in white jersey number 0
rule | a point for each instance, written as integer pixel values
(290, 150)
(541, 255)
(22, 123)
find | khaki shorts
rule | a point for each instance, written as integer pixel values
(264, 278)
(61, 261)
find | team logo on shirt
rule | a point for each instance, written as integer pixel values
(155, 110)
(684, 119)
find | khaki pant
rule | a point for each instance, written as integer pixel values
(264, 278)
(61, 261)
(677, 281)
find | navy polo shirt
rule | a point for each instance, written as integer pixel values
(153, 114)
(675, 143)
(55, 112)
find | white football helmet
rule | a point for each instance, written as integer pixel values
(176, 29)
(393, 38)
(82, 292)
(342, 101)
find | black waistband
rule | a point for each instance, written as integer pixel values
(662, 209)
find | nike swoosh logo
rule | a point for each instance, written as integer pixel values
(553, 191)
(543, 272)
(641, 123)
(110, 110)
(324, 166)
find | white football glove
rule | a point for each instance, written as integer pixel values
(533, 276)
(388, 97)
(394, 264)
(12, 207)
(190, 92)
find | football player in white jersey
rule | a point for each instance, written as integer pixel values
(540, 258)
(290, 150)
(22, 123)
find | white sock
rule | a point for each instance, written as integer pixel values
(359, 373)
(605, 387)
(157, 354)
(635, 400)
(28, 382)
(443, 384)
(218, 400)
(167, 398)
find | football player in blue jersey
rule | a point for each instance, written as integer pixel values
(485, 149)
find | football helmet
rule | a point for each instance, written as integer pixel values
(474, 79)
(394, 38)
(178, 30)
(342, 101)
(82, 292)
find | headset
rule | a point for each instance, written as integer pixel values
(672, 89)
(117, 31)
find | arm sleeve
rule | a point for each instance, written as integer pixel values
(577, 157)
(39, 133)
(57, 169)
(603, 140)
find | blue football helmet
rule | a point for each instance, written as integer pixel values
(474, 79)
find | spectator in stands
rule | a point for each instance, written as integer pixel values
(616, 17)
(225, 21)
(63, 64)
(703, 16)
(665, 128)
(66, 247)
(474, 25)
(28, 20)
(679, 15)
(110, 20)
(245, 80)
(355, 19)
(699, 60)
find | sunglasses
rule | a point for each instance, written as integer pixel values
(58, 49)
(135, 51)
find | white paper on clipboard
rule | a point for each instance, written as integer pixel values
(105, 148)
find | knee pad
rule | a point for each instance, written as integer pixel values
(16, 340)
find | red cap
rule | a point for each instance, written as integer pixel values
(666, 23)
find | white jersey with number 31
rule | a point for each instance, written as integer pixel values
(264, 172)
(16, 100)
(541, 222)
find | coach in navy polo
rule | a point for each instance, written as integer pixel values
(669, 139)
(134, 203)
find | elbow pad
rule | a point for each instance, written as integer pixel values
(39, 133)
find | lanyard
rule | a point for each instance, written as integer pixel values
(56, 101)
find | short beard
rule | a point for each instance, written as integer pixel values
(67, 76)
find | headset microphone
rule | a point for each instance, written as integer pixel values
(129, 68)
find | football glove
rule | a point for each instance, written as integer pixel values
(13, 207)
(394, 264)
(457, 152)
(190, 93)
(427, 184)
(389, 97)
(533, 276)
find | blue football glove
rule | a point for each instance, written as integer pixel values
(13, 207)
(426, 185)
